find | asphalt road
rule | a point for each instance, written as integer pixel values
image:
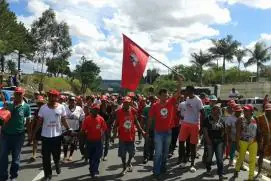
(110, 169)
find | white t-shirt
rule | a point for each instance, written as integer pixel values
(231, 121)
(74, 117)
(51, 126)
(181, 109)
(233, 94)
(192, 111)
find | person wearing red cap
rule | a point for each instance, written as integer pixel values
(39, 102)
(246, 132)
(75, 116)
(51, 116)
(264, 125)
(126, 123)
(94, 127)
(105, 112)
(235, 111)
(12, 137)
(162, 115)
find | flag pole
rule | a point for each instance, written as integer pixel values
(174, 71)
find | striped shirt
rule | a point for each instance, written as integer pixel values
(33, 108)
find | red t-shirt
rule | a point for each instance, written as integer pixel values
(176, 117)
(163, 114)
(126, 124)
(94, 127)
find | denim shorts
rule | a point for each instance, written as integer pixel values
(126, 147)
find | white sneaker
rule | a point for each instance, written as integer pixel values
(193, 169)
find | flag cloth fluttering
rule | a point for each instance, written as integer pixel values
(134, 63)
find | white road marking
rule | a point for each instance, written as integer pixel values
(41, 174)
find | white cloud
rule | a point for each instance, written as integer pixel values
(261, 4)
(154, 24)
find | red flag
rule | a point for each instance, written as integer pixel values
(134, 63)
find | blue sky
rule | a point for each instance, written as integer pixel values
(170, 32)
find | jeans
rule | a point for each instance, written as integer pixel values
(252, 149)
(232, 151)
(95, 152)
(174, 138)
(13, 144)
(149, 145)
(161, 144)
(50, 146)
(217, 147)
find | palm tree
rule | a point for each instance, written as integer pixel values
(259, 55)
(224, 48)
(200, 60)
(240, 54)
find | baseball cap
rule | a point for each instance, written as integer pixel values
(19, 90)
(40, 99)
(248, 107)
(95, 107)
(213, 98)
(237, 108)
(54, 92)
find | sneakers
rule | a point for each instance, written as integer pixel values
(193, 169)
(124, 171)
(58, 170)
(145, 161)
(130, 168)
(208, 173)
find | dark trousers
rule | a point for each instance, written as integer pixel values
(174, 138)
(106, 143)
(13, 144)
(149, 145)
(50, 146)
(216, 148)
(184, 150)
(82, 145)
(95, 151)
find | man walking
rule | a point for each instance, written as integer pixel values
(51, 116)
(12, 137)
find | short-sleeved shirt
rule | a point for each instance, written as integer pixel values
(181, 109)
(125, 120)
(94, 127)
(265, 128)
(248, 128)
(231, 122)
(145, 113)
(192, 112)
(163, 114)
(207, 110)
(51, 126)
(216, 129)
(18, 116)
(33, 108)
(74, 117)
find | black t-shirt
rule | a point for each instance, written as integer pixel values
(216, 130)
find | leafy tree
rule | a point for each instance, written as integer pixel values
(8, 24)
(25, 45)
(224, 48)
(53, 39)
(259, 55)
(11, 66)
(88, 73)
(240, 54)
(201, 60)
(58, 67)
(191, 73)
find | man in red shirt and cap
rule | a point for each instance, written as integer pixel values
(162, 115)
(94, 126)
(126, 123)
